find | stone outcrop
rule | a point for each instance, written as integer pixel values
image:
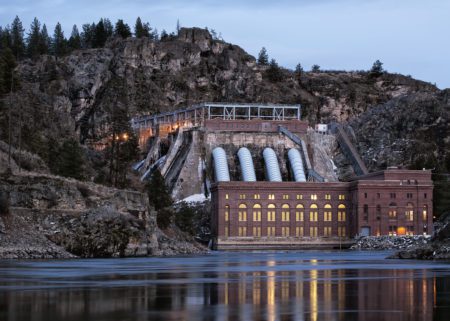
(53, 217)
(389, 242)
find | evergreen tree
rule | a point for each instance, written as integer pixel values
(315, 68)
(298, 71)
(109, 29)
(87, 35)
(7, 65)
(122, 29)
(70, 160)
(17, 38)
(141, 30)
(5, 40)
(75, 39)
(100, 35)
(274, 72)
(34, 39)
(154, 34)
(263, 57)
(158, 194)
(58, 42)
(164, 35)
(377, 69)
(45, 41)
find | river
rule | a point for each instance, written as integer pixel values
(308, 285)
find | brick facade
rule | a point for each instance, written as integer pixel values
(388, 202)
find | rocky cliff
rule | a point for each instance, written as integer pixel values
(44, 216)
(393, 119)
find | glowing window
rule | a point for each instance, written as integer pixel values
(285, 196)
(256, 196)
(285, 231)
(341, 197)
(271, 231)
(285, 213)
(242, 231)
(299, 231)
(271, 213)
(327, 231)
(242, 196)
(257, 213)
(227, 213)
(242, 212)
(341, 213)
(327, 196)
(409, 213)
(392, 211)
(314, 197)
(299, 196)
(299, 213)
(327, 213)
(313, 231)
(341, 231)
(271, 196)
(257, 231)
(226, 196)
(313, 213)
(425, 213)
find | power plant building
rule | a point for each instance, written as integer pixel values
(272, 179)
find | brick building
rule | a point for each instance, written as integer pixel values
(390, 202)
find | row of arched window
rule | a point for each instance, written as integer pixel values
(313, 212)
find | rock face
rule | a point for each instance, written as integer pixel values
(396, 119)
(52, 217)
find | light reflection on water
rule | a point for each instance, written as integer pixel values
(269, 286)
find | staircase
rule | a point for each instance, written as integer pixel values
(310, 172)
(349, 150)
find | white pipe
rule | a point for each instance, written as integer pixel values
(247, 168)
(272, 168)
(297, 165)
(222, 174)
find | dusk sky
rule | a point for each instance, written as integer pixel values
(409, 36)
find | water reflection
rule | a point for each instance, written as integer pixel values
(261, 287)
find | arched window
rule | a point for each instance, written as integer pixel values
(285, 213)
(409, 213)
(341, 213)
(313, 213)
(271, 213)
(327, 213)
(227, 213)
(257, 213)
(299, 213)
(425, 213)
(392, 210)
(242, 212)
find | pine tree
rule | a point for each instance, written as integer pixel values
(298, 71)
(164, 35)
(75, 39)
(70, 160)
(315, 68)
(7, 65)
(122, 29)
(17, 38)
(5, 41)
(34, 39)
(274, 72)
(87, 35)
(45, 41)
(377, 69)
(158, 194)
(100, 35)
(263, 57)
(109, 29)
(59, 42)
(142, 30)
(154, 34)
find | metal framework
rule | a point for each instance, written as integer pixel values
(196, 115)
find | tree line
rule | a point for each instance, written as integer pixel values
(37, 41)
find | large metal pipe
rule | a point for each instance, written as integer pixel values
(222, 174)
(272, 168)
(247, 168)
(297, 165)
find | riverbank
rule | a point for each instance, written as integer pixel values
(47, 217)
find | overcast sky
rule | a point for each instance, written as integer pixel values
(411, 37)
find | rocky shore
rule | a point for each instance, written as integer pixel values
(44, 216)
(375, 243)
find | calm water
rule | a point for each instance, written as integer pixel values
(227, 286)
